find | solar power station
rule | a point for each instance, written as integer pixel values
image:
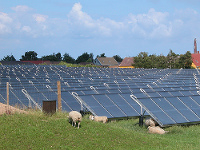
(170, 96)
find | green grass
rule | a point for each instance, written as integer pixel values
(39, 131)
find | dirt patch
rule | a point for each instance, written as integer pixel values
(4, 109)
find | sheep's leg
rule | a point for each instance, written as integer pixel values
(74, 124)
(78, 124)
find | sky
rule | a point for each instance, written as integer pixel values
(113, 27)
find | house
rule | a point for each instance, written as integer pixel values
(127, 62)
(196, 60)
(106, 62)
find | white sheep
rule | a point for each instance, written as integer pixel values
(156, 130)
(103, 119)
(75, 116)
(150, 122)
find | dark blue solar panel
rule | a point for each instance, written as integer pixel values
(95, 105)
(106, 102)
(175, 93)
(123, 105)
(165, 94)
(185, 113)
(114, 86)
(156, 111)
(70, 102)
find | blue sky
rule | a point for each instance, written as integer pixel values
(113, 27)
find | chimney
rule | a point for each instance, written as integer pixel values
(195, 46)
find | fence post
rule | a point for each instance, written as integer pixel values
(59, 96)
(7, 89)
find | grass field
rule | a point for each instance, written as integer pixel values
(39, 131)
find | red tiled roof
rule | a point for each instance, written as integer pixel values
(196, 59)
(127, 61)
(37, 62)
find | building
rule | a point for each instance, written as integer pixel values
(106, 62)
(127, 63)
(195, 56)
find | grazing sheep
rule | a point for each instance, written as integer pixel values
(74, 117)
(103, 119)
(156, 130)
(150, 122)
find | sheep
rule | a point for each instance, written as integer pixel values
(150, 122)
(156, 130)
(74, 117)
(103, 119)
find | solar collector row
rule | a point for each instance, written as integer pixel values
(111, 98)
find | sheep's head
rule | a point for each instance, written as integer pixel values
(79, 119)
(91, 117)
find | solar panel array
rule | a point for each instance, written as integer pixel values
(170, 96)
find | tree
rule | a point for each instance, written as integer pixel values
(101, 55)
(67, 58)
(142, 60)
(161, 62)
(9, 58)
(84, 57)
(58, 56)
(172, 59)
(53, 57)
(30, 55)
(117, 58)
(185, 61)
(188, 60)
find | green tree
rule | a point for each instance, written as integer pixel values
(161, 62)
(67, 58)
(29, 55)
(117, 58)
(101, 55)
(188, 60)
(9, 58)
(53, 57)
(172, 60)
(84, 57)
(142, 60)
(153, 62)
(58, 56)
(185, 61)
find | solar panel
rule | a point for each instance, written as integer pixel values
(175, 109)
(170, 95)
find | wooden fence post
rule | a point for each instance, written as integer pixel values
(7, 89)
(59, 96)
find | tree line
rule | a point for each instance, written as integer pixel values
(142, 60)
(32, 56)
(172, 60)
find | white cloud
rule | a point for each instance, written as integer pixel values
(26, 29)
(77, 16)
(4, 18)
(81, 20)
(40, 18)
(152, 24)
(21, 8)
(4, 29)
